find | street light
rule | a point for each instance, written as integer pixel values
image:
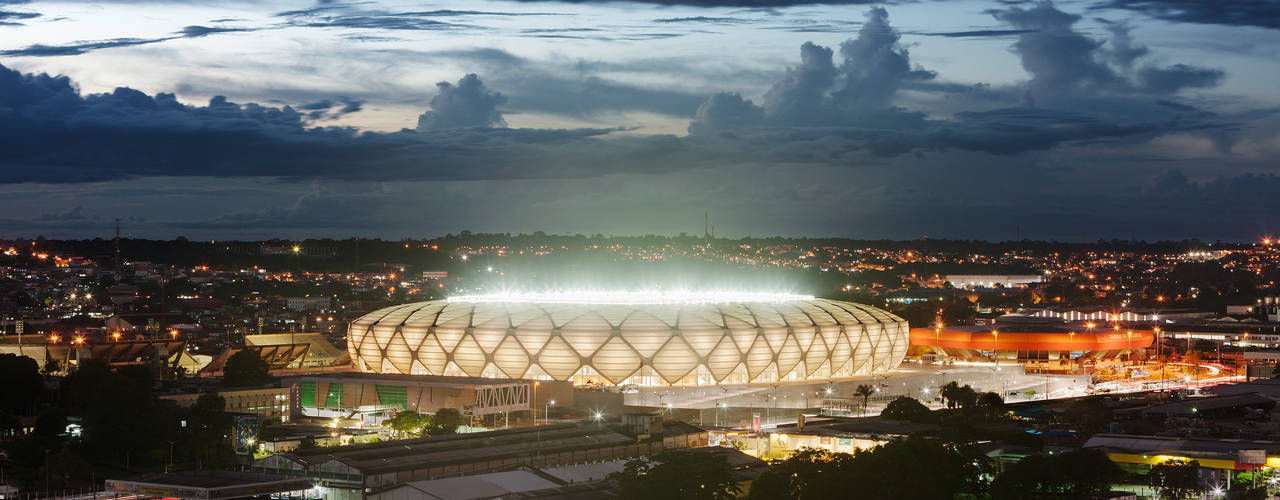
(546, 411)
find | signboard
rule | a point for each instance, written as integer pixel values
(245, 433)
(1253, 457)
(755, 423)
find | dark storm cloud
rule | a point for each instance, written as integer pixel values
(127, 133)
(844, 111)
(1259, 13)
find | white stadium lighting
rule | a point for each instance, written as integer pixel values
(625, 338)
(632, 298)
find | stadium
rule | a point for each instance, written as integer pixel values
(631, 339)
(1031, 342)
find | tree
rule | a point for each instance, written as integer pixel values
(1078, 474)
(407, 423)
(245, 369)
(444, 422)
(678, 474)
(865, 391)
(22, 384)
(949, 393)
(892, 471)
(1175, 479)
(990, 401)
(906, 408)
(965, 396)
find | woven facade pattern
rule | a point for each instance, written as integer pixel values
(631, 344)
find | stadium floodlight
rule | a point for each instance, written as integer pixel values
(632, 298)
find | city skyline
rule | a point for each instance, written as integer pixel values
(962, 120)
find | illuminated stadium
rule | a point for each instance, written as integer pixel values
(631, 338)
(1031, 342)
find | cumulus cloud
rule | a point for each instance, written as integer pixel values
(845, 111)
(467, 104)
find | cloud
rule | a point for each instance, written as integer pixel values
(81, 47)
(126, 134)
(467, 104)
(701, 19)
(1259, 13)
(331, 109)
(1173, 78)
(1058, 57)
(753, 4)
(199, 31)
(9, 17)
(980, 33)
(845, 112)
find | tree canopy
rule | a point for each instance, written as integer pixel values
(906, 408)
(1077, 474)
(893, 471)
(678, 474)
(22, 384)
(245, 369)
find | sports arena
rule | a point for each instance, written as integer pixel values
(639, 339)
(1031, 342)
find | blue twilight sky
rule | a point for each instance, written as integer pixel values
(949, 118)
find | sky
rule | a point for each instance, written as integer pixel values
(967, 119)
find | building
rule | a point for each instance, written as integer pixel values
(357, 471)
(992, 280)
(307, 303)
(370, 396)
(629, 339)
(211, 485)
(1031, 341)
(270, 402)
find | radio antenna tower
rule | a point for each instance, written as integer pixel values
(117, 244)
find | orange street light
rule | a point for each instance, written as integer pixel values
(78, 340)
(53, 339)
(115, 336)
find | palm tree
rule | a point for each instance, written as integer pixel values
(865, 391)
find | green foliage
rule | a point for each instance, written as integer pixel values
(445, 421)
(245, 369)
(407, 423)
(1175, 479)
(678, 474)
(910, 469)
(1078, 474)
(907, 408)
(22, 384)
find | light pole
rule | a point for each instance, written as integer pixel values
(546, 412)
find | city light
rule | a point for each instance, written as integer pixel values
(631, 298)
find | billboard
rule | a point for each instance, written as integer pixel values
(245, 433)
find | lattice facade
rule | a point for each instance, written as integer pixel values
(631, 344)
